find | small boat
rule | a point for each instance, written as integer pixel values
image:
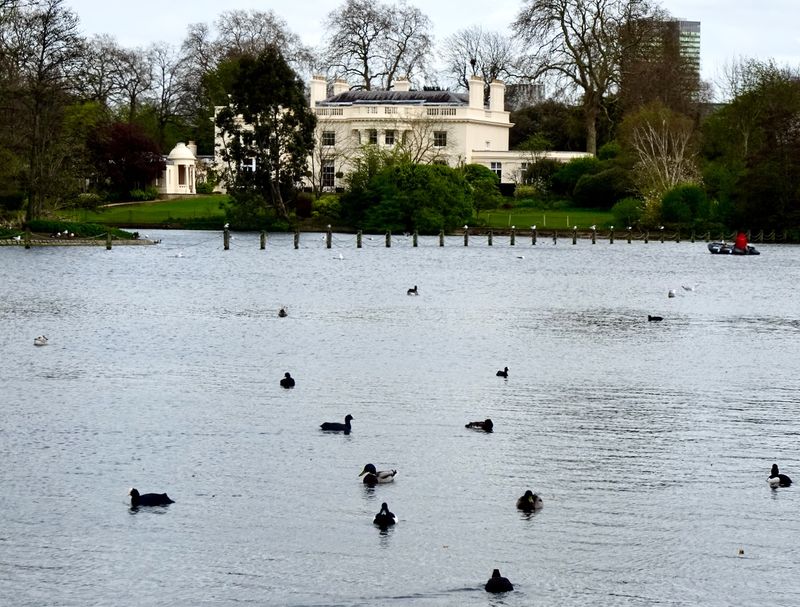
(724, 248)
(40, 341)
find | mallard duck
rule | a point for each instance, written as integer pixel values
(529, 502)
(287, 381)
(503, 373)
(412, 291)
(486, 425)
(282, 312)
(384, 518)
(149, 499)
(498, 583)
(375, 477)
(776, 479)
(337, 427)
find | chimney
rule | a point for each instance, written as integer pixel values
(192, 148)
(340, 86)
(319, 89)
(475, 93)
(497, 94)
(402, 85)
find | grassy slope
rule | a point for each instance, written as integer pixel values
(174, 211)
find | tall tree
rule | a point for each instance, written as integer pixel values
(168, 67)
(477, 52)
(582, 44)
(47, 47)
(134, 78)
(267, 133)
(371, 44)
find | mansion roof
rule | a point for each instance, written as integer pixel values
(397, 97)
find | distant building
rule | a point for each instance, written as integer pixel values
(688, 33)
(523, 94)
(180, 172)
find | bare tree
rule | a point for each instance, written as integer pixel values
(135, 77)
(334, 147)
(423, 137)
(476, 52)
(167, 66)
(97, 77)
(582, 43)
(371, 44)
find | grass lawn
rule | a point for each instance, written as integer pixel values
(152, 213)
(561, 219)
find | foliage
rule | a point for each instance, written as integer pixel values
(149, 193)
(685, 205)
(567, 177)
(476, 52)
(81, 230)
(327, 206)
(484, 185)
(601, 190)
(609, 151)
(268, 124)
(206, 210)
(204, 187)
(557, 122)
(404, 196)
(125, 158)
(628, 211)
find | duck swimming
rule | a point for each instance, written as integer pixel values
(776, 479)
(40, 341)
(529, 502)
(282, 312)
(412, 291)
(337, 427)
(384, 518)
(503, 373)
(486, 425)
(654, 318)
(498, 583)
(149, 499)
(376, 477)
(287, 381)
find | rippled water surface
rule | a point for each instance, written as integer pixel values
(650, 443)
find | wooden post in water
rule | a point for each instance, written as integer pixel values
(533, 235)
(388, 239)
(629, 234)
(677, 235)
(108, 241)
(263, 243)
(414, 238)
(555, 236)
(28, 238)
(594, 235)
(328, 237)
(708, 236)
(574, 234)
(358, 239)
(226, 239)
(692, 236)
(489, 237)
(466, 235)
(513, 235)
(611, 236)
(297, 239)
(441, 238)
(662, 234)
(646, 236)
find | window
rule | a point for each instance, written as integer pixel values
(328, 138)
(181, 174)
(357, 136)
(390, 110)
(328, 174)
(388, 138)
(373, 136)
(439, 139)
(497, 168)
(248, 165)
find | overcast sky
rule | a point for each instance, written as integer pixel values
(729, 28)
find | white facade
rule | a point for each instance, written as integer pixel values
(434, 126)
(181, 171)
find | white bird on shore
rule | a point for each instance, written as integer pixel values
(226, 226)
(17, 238)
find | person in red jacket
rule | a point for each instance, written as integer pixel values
(740, 244)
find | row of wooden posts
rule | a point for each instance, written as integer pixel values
(534, 235)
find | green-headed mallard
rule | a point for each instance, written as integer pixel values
(374, 477)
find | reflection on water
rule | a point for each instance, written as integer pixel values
(650, 443)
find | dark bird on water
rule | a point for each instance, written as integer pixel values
(498, 583)
(287, 381)
(654, 318)
(412, 291)
(149, 499)
(372, 476)
(282, 312)
(529, 502)
(337, 427)
(503, 373)
(776, 479)
(486, 425)
(384, 518)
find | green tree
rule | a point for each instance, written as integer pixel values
(485, 187)
(267, 133)
(685, 205)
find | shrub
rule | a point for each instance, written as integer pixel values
(138, 195)
(84, 230)
(685, 204)
(204, 187)
(327, 206)
(609, 151)
(601, 190)
(627, 212)
(88, 200)
(567, 177)
(525, 190)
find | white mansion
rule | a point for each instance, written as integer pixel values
(432, 126)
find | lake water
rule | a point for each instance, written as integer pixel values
(650, 442)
